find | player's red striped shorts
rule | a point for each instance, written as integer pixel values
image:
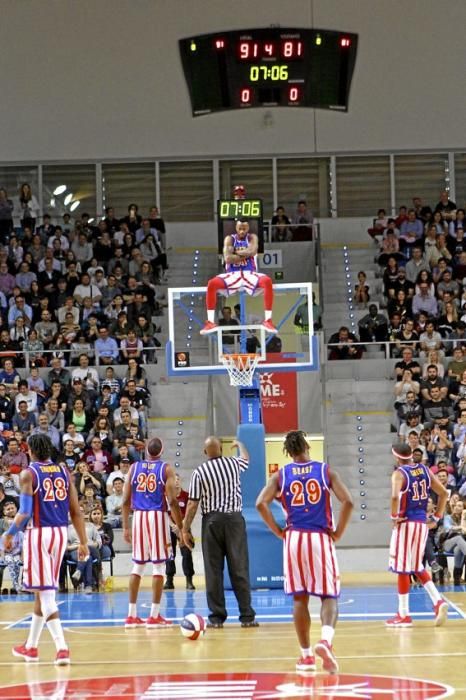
(43, 552)
(151, 536)
(407, 546)
(310, 564)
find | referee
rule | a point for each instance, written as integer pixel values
(216, 485)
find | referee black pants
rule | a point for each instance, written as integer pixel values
(224, 536)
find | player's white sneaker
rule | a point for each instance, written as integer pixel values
(440, 612)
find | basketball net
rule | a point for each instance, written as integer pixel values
(241, 368)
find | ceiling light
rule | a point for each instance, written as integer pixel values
(60, 189)
(75, 205)
(68, 199)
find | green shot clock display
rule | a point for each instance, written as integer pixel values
(230, 210)
(274, 67)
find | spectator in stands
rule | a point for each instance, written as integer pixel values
(416, 264)
(440, 446)
(87, 289)
(412, 423)
(448, 320)
(341, 346)
(430, 340)
(125, 404)
(14, 459)
(408, 362)
(19, 308)
(406, 338)
(84, 568)
(433, 359)
(410, 407)
(445, 206)
(103, 430)
(390, 277)
(58, 373)
(105, 531)
(131, 346)
(405, 384)
(432, 380)
(106, 348)
(132, 219)
(411, 231)
(80, 418)
(29, 206)
(9, 377)
(146, 331)
(6, 216)
(401, 305)
(379, 224)
(46, 329)
(373, 327)
(43, 428)
(120, 472)
(457, 365)
(88, 376)
(23, 420)
(122, 435)
(438, 411)
(389, 247)
(362, 290)
(458, 337)
(303, 220)
(114, 503)
(99, 460)
(423, 301)
(280, 224)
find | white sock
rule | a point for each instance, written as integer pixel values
(267, 315)
(403, 604)
(211, 315)
(432, 592)
(56, 631)
(132, 610)
(306, 652)
(155, 610)
(327, 634)
(37, 625)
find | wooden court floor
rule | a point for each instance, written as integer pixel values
(362, 647)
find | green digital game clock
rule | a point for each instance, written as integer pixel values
(230, 210)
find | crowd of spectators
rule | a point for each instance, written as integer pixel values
(75, 297)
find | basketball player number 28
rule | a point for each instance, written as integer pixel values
(55, 490)
(309, 491)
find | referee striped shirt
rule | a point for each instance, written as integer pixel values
(216, 483)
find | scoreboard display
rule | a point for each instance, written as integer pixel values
(274, 67)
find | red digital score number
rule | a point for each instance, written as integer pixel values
(291, 49)
(250, 50)
(245, 96)
(294, 94)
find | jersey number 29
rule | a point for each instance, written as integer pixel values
(309, 491)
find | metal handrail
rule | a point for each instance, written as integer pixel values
(388, 344)
(28, 354)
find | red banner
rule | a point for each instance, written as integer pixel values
(279, 396)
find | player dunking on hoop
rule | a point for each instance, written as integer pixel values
(239, 253)
(411, 484)
(309, 560)
(148, 485)
(47, 496)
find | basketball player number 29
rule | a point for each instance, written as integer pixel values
(309, 491)
(55, 490)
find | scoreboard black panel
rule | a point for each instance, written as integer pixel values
(273, 67)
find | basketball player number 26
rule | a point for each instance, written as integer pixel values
(309, 491)
(146, 482)
(55, 490)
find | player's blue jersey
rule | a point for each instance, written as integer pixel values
(305, 496)
(148, 485)
(246, 264)
(415, 492)
(51, 499)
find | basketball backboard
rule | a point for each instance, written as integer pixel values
(293, 349)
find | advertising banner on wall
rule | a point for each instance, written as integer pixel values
(279, 396)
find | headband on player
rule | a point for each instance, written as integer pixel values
(402, 451)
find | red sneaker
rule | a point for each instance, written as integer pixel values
(399, 621)
(440, 612)
(63, 658)
(306, 664)
(132, 622)
(325, 651)
(208, 327)
(269, 327)
(158, 621)
(21, 652)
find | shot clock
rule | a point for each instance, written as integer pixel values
(273, 67)
(228, 213)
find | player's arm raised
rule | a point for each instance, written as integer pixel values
(24, 513)
(439, 489)
(344, 496)
(78, 522)
(170, 491)
(264, 499)
(126, 505)
(397, 485)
